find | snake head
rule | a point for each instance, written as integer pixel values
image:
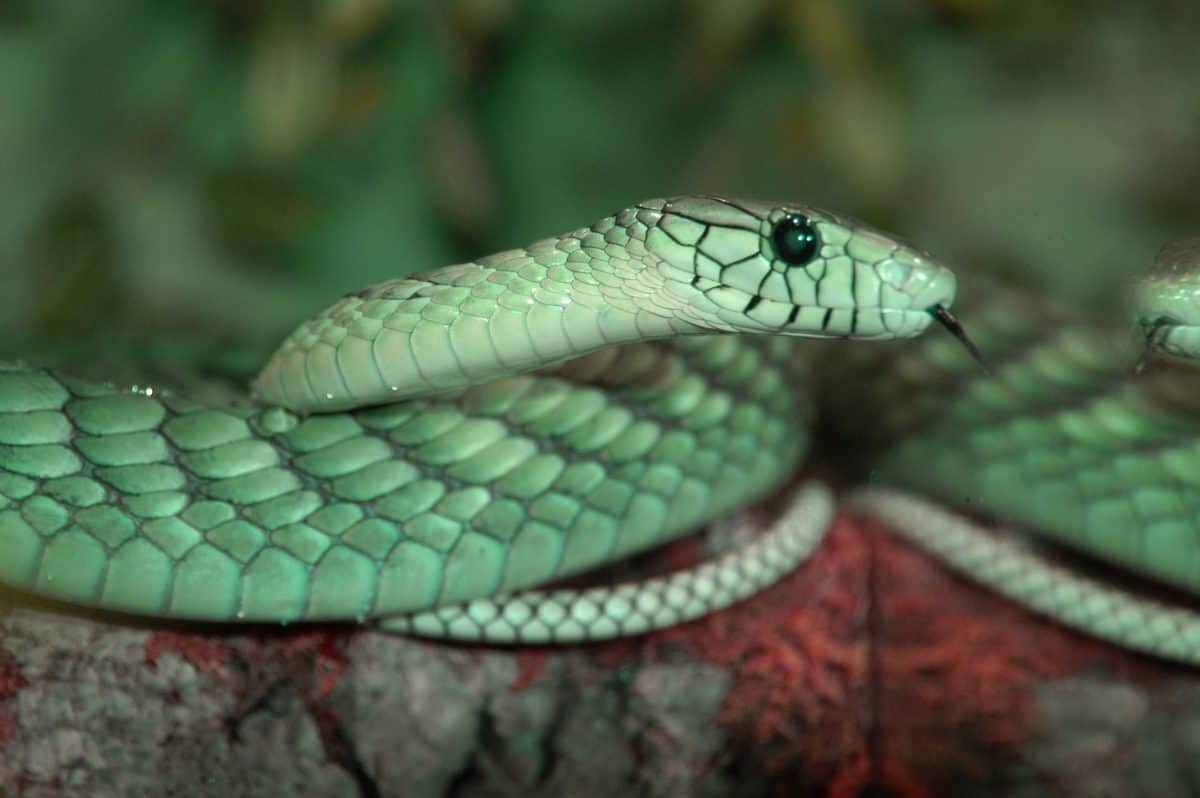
(1167, 300)
(745, 266)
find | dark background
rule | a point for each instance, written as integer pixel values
(226, 167)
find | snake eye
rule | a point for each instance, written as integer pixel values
(795, 240)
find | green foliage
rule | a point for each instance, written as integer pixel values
(228, 166)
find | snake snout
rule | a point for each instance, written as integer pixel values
(933, 287)
(930, 286)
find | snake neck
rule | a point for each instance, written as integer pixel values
(658, 269)
(515, 311)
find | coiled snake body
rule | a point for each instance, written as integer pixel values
(403, 463)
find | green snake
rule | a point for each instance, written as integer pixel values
(424, 451)
(1069, 437)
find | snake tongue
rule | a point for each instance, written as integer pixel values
(951, 323)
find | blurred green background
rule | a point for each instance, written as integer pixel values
(227, 167)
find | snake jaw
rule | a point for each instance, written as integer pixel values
(1169, 336)
(943, 316)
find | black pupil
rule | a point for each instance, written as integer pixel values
(795, 240)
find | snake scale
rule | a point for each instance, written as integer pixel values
(425, 450)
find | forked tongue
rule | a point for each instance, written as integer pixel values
(951, 323)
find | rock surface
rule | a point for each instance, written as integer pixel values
(870, 667)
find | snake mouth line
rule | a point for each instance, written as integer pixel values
(1163, 326)
(948, 320)
(1166, 334)
(1155, 333)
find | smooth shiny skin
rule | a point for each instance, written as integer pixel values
(400, 456)
(660, 269)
